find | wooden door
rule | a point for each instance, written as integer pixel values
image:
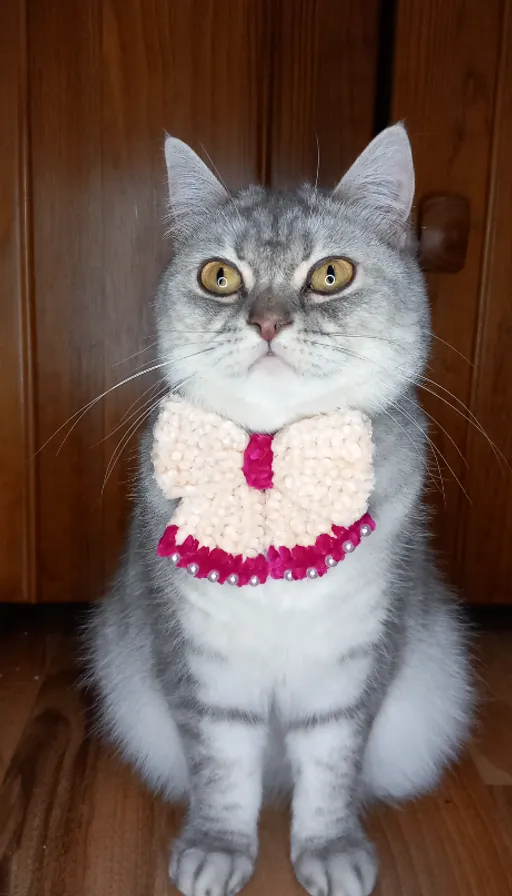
(272, 91)
(452, 83)
(91, 85)
(17, 436)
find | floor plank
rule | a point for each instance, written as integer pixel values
(74, 821)
(22, 665)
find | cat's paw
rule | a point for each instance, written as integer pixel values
(198, 871)
(338, 869)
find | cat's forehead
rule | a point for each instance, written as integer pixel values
(275, 229)
(277, 234)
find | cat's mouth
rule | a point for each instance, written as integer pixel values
(271, 361)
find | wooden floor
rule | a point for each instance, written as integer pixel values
(75, 822)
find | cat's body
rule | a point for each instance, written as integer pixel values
(343, 689)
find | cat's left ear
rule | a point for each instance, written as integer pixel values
(381, 182)
(192, 186)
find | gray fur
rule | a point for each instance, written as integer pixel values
(156, 647)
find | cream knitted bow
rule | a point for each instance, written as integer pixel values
(242, 493)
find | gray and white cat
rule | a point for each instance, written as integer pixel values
(344, 689)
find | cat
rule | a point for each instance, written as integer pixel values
(351, 688)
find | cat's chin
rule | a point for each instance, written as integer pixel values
(266, 399)
(271, 365)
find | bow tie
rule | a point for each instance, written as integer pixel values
(289, 506)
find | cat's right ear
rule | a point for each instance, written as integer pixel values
(192, 186)
(381, 182)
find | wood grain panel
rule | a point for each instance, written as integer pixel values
(65, 91)
(17, 566)
(445, 69)
(323, 73)
(107, 79)
(486, 528)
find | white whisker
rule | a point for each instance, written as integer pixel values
(469, 419)
(83, 410)
(452, 347)
(440, 488)
(135, 354)
(143, 415)
(125, 420)
(420, 381)
(121, 445)
(447, 434)
(139, 398)
(437, 452)
(387, 371)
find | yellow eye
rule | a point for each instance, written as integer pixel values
(220, 278)
(332, 275)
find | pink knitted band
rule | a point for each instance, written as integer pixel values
(279, 563)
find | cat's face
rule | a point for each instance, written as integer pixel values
(278, 306)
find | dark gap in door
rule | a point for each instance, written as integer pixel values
(384, 85)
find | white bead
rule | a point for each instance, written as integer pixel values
(330, 562)
(312, 573)
(365, 530)
(288, 575)
(349, 546)
(232, 579)
(254, 581)
(213, 576)
(175, 558)
(193, 569)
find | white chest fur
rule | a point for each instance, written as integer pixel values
(295, 645)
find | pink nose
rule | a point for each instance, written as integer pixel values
(269, 324)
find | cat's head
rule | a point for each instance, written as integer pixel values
(279, 305)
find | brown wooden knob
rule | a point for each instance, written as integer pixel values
(443, 232)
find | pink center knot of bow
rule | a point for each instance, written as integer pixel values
(258, 457)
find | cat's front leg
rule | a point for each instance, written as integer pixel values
(217, 848)
(330, 851)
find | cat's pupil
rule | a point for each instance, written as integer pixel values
(330, 277)
(221, 279)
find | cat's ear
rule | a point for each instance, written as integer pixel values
(381, 181)
(192, 186)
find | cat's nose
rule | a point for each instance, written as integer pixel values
(269, 323)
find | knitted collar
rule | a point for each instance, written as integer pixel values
(285, 506)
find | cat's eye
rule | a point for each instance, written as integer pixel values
(220, 278)
(331, 275)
